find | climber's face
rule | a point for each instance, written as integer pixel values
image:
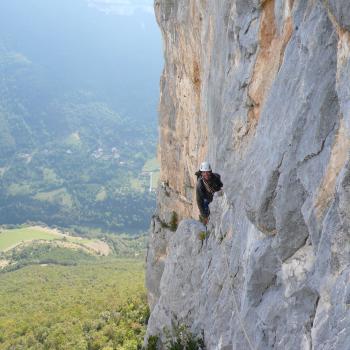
(206, 175)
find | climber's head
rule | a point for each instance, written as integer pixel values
(205, 166)
(206, 171)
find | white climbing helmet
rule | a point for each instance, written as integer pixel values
(205, 166)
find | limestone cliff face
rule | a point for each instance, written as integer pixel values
(261, 90)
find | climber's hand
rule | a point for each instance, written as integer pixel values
(220, 193)
(204, 220)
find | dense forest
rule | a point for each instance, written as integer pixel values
(94, 304)
(56, 292)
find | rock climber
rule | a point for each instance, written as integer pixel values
(207, 184)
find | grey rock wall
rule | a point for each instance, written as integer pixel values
(270, 109)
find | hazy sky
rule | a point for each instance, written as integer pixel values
(122, 7)
(111, 48)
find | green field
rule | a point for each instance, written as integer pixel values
(155, 179)
(60, 196)
(151, 165)
(13, 237)
(98, 304)
(10, 238)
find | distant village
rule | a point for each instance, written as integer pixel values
(101, 154)
(97, 154)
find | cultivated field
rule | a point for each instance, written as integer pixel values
(13, 237)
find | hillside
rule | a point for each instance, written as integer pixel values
(35, 245)
(97, 304)
(77, 115)
(260, 89)
(59, 291)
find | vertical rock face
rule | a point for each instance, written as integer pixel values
(261, 90)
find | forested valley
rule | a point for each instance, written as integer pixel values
(79, 86)
(78, 116)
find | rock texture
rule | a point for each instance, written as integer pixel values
(261, 90)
